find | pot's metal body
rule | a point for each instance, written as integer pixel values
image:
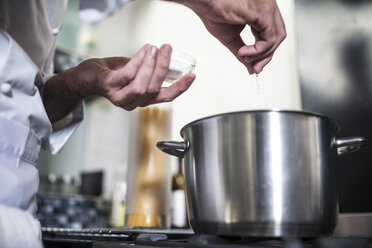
(262, 173)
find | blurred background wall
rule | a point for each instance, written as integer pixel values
(335, 64)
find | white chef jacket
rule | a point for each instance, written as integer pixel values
(28, 31)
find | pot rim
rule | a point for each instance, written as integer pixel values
(297, 112)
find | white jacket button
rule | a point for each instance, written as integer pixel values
(6, 88)
(55, 31)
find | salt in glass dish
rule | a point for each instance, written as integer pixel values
(180, 64)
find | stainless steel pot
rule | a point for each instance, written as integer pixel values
(262, 173)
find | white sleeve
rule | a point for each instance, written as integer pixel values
(19, 229)
(63, 129)
(97, 10)
(14, 108)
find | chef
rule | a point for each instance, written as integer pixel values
(42, 110)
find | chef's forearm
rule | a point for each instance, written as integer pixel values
(63, 93)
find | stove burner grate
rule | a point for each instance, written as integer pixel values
(109, 238)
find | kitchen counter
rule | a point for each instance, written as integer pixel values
(354, 224)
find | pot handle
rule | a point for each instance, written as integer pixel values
(175, 148)
(349, 144)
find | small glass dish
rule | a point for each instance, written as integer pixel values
(180, 64)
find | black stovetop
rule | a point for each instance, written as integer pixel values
(110, 238)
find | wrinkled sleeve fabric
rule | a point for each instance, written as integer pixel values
(12, 108)
(96, 10)
(19, 229)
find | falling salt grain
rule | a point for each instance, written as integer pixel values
(258, 92)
